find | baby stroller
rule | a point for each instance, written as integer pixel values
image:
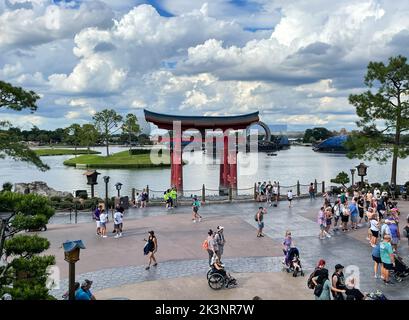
(401, 270)
(293, 262)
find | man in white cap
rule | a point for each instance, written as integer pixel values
(220, 240)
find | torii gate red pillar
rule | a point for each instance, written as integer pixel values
(176, 161)
(228, 166)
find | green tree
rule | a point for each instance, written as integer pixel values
(7, 186)
(89, 135)
(341, 178)
(383, 113)
(130, 127)
(107, 123)
(15, 98)
(316, 134)
(73, 136)
(24, 273)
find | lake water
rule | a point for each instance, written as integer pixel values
(297, 163)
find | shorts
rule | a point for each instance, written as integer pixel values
(329, 222)
(322, 227)
(195, 209)
(290, 199)
(395, 241)
(375, 233)
(388, 266)
(354, 218)
(98, 224)
(260, 225)
(118, 226)
(376, 259)
(103, 224)
(345, 218)
(361, 214)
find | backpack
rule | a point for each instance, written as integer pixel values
(318, 289)
(205, 244)
(255, 217)
(310, 283)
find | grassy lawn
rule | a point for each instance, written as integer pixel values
(120, 160)
(62, 152)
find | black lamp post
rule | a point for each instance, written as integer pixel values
(362, 168)
(72, 255)
(106, 180)
(118, 186)
(4, 219)
(352, 174)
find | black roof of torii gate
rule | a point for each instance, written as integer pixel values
(165, 121)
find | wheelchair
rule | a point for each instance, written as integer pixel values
(218, 281)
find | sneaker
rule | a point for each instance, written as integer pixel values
(261, 235)
(382, 277)
(147, 268)
(104, 236)
(328, 236)
(116, 236)
(194, 221)
(120, 234)
(200, 219)
(376, 276)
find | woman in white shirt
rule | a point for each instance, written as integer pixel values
(374, 230)
(103, 218)
(290, 197)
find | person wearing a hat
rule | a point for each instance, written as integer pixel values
(338, 282)
(220, 240)
(84, 292)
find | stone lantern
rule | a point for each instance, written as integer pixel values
(362, 168)
(92, 176)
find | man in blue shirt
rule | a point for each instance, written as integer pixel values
(97, 213)
(84, 293)
(353, 210)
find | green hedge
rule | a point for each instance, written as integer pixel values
(134, 152)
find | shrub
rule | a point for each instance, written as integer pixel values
(376, 185)
(65, 205)
(134, 152)
(7, 186)
(55, 199)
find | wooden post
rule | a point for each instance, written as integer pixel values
(255, 191)
(147, 191)
(133, 195)
(315, 187)
(230, 193)
(278, 190)
(203, 193)
(323, 187)
(71, 277)
(298, 188)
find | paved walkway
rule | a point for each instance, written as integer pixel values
(114, 264)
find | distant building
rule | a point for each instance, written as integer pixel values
(333, 144)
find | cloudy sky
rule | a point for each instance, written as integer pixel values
(294, 61)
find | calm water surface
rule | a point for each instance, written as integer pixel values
(298, 163)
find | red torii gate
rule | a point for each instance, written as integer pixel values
(228, 168)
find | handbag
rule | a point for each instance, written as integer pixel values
(318, 289)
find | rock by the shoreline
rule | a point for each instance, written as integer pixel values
(40, 188)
